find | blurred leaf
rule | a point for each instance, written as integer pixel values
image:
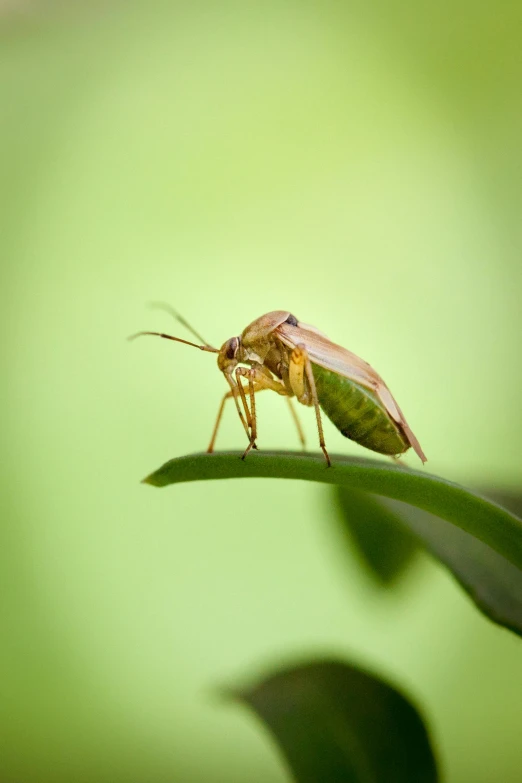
(385, 545)
(336, 723)
(492, 582)
(486, 521)
(508, 498)
(388, 532)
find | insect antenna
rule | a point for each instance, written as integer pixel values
(178, 317)
(176, 339)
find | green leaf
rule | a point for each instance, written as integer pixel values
(384, 543)
(338, 724)
(492, 582)
(483, 519)
(385, 530)
(507, 498)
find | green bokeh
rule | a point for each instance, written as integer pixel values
(359, 167)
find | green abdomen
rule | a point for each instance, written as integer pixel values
(357, 413)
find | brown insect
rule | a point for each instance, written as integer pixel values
(293, 359)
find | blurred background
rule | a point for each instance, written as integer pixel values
(357, 164)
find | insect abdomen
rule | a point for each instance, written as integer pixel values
(357, 413)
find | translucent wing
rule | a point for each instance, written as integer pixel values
(343, 362)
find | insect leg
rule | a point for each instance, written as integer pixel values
(253, 418)
(240, 372)
(226, 397)
(262, 379)
(258, 379)
(234, 393)
(298, 359)
(251, 374)
(297, 423)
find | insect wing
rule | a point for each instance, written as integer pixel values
(343, 362)
(327, 354)
(264, 326)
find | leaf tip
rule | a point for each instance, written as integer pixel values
(152, 480)
(226, 693)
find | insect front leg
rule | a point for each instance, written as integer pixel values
(253, 417)
(235, 392)
(240, 373)
(302, 381)
(258, 379)
(226, 397)
(267, 381)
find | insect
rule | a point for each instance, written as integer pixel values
(293, 359)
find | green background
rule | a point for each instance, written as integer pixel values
(357, 164)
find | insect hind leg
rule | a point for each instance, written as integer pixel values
(297, 423)
(300, 369)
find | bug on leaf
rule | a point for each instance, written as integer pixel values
(294, 359)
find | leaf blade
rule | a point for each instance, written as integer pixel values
(483, 519)
(336, 723)
(384, 544)
(492, 582)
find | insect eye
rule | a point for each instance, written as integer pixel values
(233, 345)
(292, 320)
